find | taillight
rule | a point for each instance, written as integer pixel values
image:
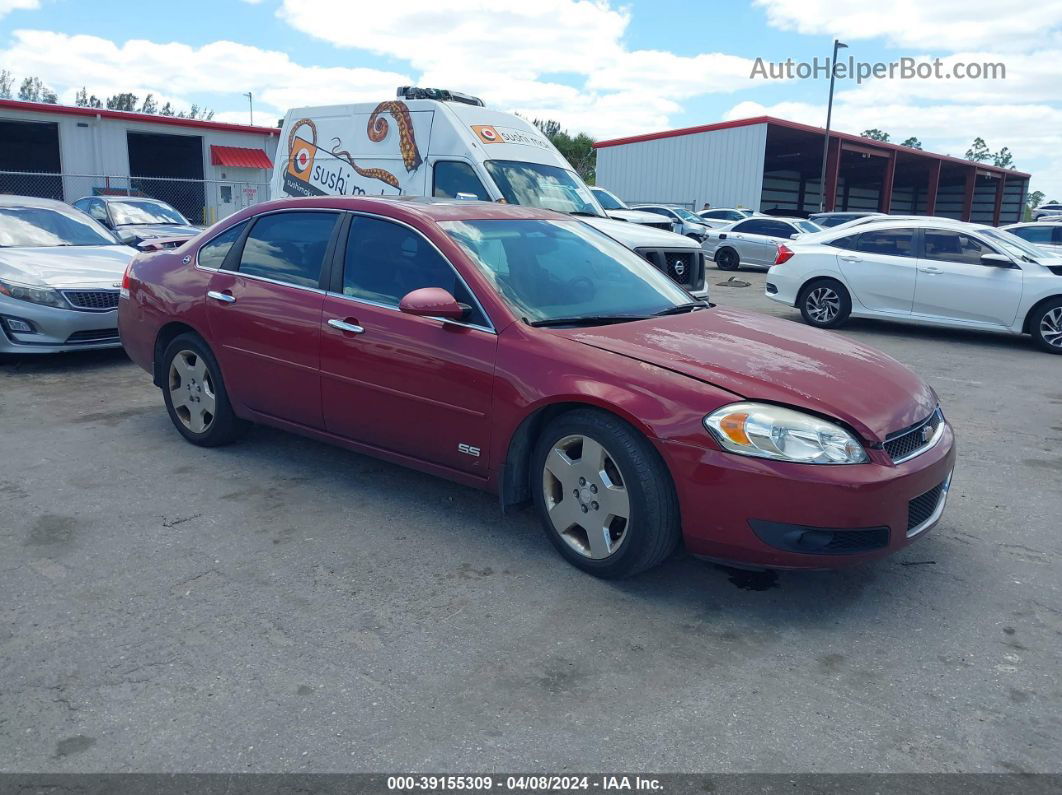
(784, 254)
(127, 280)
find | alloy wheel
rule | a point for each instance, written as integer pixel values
(586, 498)
(1051, 327)
(192, 391)
(823, 304)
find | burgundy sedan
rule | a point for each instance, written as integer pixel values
(526, 353)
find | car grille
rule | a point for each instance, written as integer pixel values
(684, 266)
(922, 507)
(908, 443)
(92, 300)
(94, 335)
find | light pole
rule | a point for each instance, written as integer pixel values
(829, 113)
(250, 102)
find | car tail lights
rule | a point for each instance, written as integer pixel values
(126, 281)
(784, 254)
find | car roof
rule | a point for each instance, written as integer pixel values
(424, 207)
(125, 199)
(1052, 221)
(11, 200)
(888, 222)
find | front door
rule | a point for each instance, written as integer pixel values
(412, 385)
(954, 285)
(265, 315)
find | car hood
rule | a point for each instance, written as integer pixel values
(759, 357)
(637, 216)
(66, 266)
(159, 230)
(638, 235)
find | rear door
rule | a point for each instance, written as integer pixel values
(416, 386)
(880, 267)
(265, 312)
(954, 285)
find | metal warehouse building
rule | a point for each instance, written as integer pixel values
(205, 169)
(771, 164)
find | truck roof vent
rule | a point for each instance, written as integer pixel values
(441, 94)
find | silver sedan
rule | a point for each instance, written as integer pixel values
(754, 241)
(1046, 234)
(60, 275)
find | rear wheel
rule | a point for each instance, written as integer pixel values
(605, 497)
(1046, 326)
(727, 259)
(825, 303)
(195, 395)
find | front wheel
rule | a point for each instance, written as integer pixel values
(605, 497)
(1046, 326)
(727, 259)
(195, 395)
(825, 304)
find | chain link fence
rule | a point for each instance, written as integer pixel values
(201, 201)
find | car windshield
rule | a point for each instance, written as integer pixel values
(548, 187)
(687, 216)
(34, 227)
(608, 201)
(128, 212)
(1014, 245)
(547, 270)
(808, 226)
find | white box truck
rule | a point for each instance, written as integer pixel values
(432, 142)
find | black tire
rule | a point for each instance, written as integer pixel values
(1045, 324)
(824, 303)
(652, 529)
(727, 259)
(223, 426)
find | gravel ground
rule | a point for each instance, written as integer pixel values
(280, 605)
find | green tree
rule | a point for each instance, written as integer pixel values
(31, 89)
(1003, 158)
(875, 135)
(125, 101)
(912, 143)
(577, 149)
(979, 151)
(167, 110)
(7, 84)
(149, 105)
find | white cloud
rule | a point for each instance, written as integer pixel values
(7, 6)
(179, 72)
(934, 25)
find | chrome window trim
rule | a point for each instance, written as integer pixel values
(394, 308)
(934, 517)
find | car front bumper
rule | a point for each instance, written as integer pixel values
(55, 330)
(772, 514)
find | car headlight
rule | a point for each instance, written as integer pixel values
(767, 431)
(35, 295)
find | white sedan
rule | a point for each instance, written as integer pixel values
(938, 272)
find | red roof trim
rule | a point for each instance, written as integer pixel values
(726, 125)
(239, 157)
(151, 118)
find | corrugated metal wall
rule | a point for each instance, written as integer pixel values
(722, 167)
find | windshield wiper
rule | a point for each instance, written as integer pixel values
(584, 213)
(691, 306)
(586, 320)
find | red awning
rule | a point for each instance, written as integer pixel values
(239, 157)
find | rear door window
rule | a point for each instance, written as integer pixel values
(213, 253)
(288, 247)
(887, 242)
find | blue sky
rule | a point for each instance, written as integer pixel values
(608, 68)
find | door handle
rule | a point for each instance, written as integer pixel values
(342, 325)
(930, 270)
(850, 258)
(225, 298)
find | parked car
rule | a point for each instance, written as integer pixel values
(1047, 210)
(754, 241)
(134, 219)
(826, 220)
(723, 216)
(683, 222)
(616, 208)
(60, 273)
(381, 148)
(944, 273)
(524, 352)
(1045, 234)
(870, 219)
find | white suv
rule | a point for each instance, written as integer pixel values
(1048, 210)
(939, 272)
